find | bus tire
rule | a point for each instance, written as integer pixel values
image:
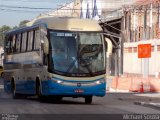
(38, 90)
(13, 88)
(2, 75)
(88, 99)
(57, 99)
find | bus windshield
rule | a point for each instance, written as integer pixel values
(77, 54)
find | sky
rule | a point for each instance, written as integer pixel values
(11, 15)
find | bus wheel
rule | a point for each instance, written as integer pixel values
(88, 99)
(2, 75)
(38, 90)
(56, 99)
(13, 87)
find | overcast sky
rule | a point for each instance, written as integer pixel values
(12, 16)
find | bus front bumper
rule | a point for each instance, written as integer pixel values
(74, 90)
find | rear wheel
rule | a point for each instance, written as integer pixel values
(2, 75)
(38, 90)
(13, 87)
(88, 99)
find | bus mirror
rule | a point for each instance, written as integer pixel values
(43, 31)
(45, 45)
(109, 46)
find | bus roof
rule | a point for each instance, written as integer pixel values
(60, 23)
(66, 23)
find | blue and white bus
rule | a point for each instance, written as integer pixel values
(56, 56)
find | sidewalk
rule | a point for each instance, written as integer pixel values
(151, 100)
(154, 100)
(146, 99)
(151, 95)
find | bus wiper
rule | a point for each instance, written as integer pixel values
(71, 65)
(85, 65)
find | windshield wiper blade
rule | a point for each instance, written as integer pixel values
(71, 65)
(86, 65)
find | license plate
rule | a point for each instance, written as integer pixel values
(79, 91)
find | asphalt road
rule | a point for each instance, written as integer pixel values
(112, 103)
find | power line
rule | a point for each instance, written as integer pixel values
(12, 10)
(8, 6)
(36, 1)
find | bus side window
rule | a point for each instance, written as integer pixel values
(27, 41)
(14, 43)
(24, 41)
(18, 43)
(10, 44)
(37, 40)
(7, 45)
(30, 40)
(33, 41)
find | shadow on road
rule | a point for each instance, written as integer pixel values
(65, 101)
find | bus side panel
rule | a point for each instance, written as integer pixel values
(7, 81)
(7, 86)
(25, 87)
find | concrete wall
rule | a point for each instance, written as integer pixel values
(137, 66)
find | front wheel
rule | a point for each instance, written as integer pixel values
(88, 99)
(38, 92)
(14, 94)
(56, 99)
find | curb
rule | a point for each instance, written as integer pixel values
(150, 104)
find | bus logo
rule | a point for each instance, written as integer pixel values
(78, 84)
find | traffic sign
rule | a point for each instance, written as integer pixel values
(144, 50)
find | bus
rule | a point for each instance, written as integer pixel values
(56, 57)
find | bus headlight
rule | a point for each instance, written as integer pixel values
(59, 81)
(100, 81)
(56, 81)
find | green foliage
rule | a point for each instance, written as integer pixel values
(3, 30)
(23, 22)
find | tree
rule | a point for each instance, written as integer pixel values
(3, 30)
(15, 27)
(23, 22)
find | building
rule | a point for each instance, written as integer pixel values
(142, 26)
